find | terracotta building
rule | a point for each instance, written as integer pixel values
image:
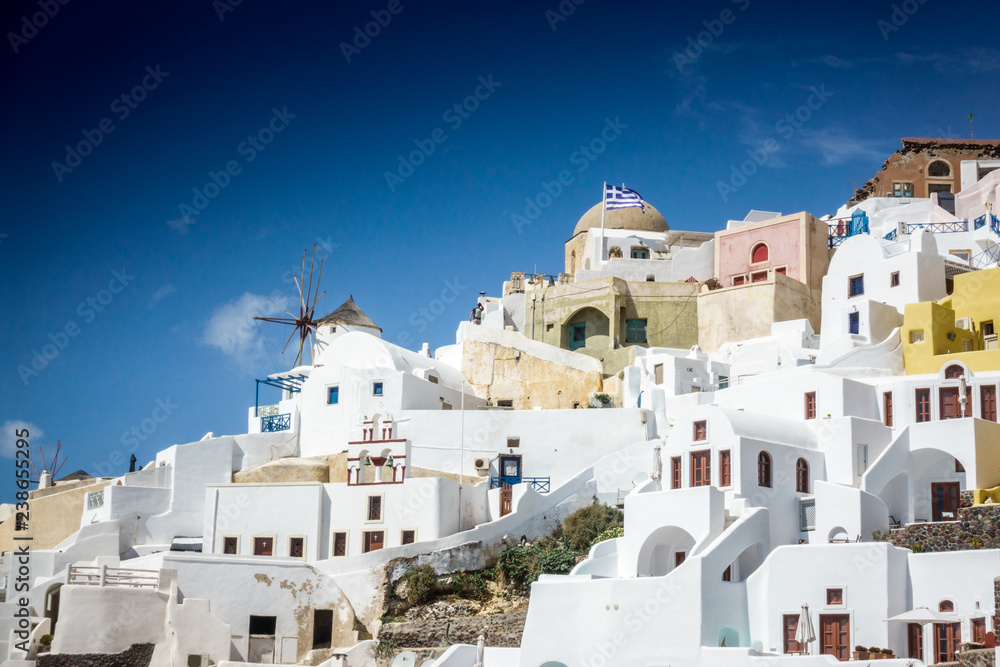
(925, 166)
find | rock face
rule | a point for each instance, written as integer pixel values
(137, 655)
(498, 629)
(286, 470)
(977, 528)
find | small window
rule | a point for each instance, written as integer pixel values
(811, 405)
(923, 405)
(577, 335)
(675, 472)
(297, 547)
(725, 469)
(856, 285)
(374, 508)
(230, 545)
(917, 336)
(782, 270)
(639, 252)
(802, 476)
(333, 395)
(635, 331)
(835, 596)
(700, 430)
(853, 323)
(894, 279)
(408, 537)
(946, 606)
(376, 388)
(790, 628)
(758, 254)
(807, 515)
(263, 625)
(954, 372)
(902, 189)
(739, 280)
(549, 327)
(963, 255)
(263, 546)
(505, 403)
(679, 557)
(764, 470)
(939, 169)
(988, 328)
(887, 407)
(759, 277)
(339, 543)
(514, 442)
(433, 378)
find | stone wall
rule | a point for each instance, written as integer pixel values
(984, 657)
(137, 655)
(977, 528)
(498, 629)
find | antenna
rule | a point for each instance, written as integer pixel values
(304, 323)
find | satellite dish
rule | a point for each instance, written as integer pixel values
(405, 659)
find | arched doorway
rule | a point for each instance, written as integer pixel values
(586, 328)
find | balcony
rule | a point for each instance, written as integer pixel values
(274, 423)
(540, 484)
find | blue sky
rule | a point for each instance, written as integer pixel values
(278, 126)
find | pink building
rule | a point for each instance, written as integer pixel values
(793, 245)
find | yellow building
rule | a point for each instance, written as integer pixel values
(959, 327)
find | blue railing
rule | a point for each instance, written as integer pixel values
(274, 423)
(540, 484)
(891, 236)
(987, 258)
(858, 224)
(939, 227)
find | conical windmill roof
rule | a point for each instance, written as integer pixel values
(349, 314)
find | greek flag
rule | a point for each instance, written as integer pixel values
(615, 197)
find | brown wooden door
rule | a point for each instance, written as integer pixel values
(988, 394)
(679, 557)
(835, 635)
(374, 540)
(915, 641)
(944, 499)
(263, 546)
(506, 500)
(946, 639)
(701, 472)
(790, 623)
(949, 403)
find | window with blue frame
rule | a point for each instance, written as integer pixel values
(635, 331)
(376, 388)
(856, 285)
(333, 395)
(577, 335)
(853, 323)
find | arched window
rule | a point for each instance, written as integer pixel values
(946, 605)
(953, 372)
(758, 254)
(764, 469)
(939, 169)
(802, 476)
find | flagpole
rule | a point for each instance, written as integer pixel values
(604, 208)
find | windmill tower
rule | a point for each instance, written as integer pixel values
(304, 324)
(49, 470)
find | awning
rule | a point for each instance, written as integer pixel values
(186, 544)
(922, 615)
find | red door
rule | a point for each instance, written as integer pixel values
(835, 635)
(946, 639)
(944, 499)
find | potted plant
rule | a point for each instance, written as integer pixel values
(615, 252)
(860, 653)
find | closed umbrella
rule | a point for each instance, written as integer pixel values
(657, 466)
(480, 650)
(804, 632)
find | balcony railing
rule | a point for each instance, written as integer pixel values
(540, 484)
(273, 423)
(112, 576)
(267, 410)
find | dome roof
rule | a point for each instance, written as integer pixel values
(633, 217)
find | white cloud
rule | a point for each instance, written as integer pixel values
(180, 225)
(838, 147)
(232, 329)
(161, 292)
(9, 437)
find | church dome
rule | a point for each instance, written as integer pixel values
(633, 218)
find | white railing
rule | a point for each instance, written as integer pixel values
(84, 575)
(267, 410)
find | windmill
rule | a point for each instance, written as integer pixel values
(304, 323)
(52, 467)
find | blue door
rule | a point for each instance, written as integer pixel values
(853, 323)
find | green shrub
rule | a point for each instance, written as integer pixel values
(879, 536)
(384, 648)
(472, 585)
(582, 526)
(421, 584)
(917, 548)
(516, 565)
(609, 534)
(45, 640)
(559, 560)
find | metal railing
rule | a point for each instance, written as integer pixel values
(540, 484)
(848, 227)
(987, 258)
(82, 575)
(274, 423)
(938, 227)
